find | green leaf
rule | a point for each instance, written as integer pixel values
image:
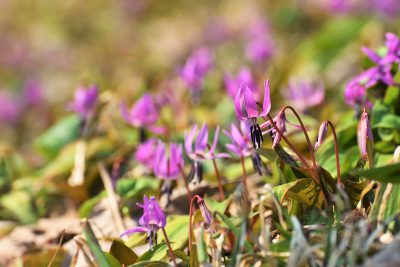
(21, 205)
(201, 249)
(122, 253)
(86, 207)
(55, 138)
(385, 174)
(156, 253)
(386, 205)
(94, 245)
(215, 205)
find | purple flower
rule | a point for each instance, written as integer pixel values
(232, 84)
(32, 93)
(304, 95)
(247, 108)
(364, 134)
(196, 68)
(145, 152)
(142, 114)
(259, 45)
(201, 149)
(205, 213)
(280, 121)
(153, 219)
(9, 108)
(85, 100)
(241, 143)
(355, 95)
(168, 167)
(323, 129)
(388, 8)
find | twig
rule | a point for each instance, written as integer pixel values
(57, 249)
(171, 253)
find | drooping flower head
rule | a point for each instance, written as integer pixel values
(323, 129)
(247, 108)
(280, 122)
(168, 166)
(196, 68)
(365, 137)
(85, 100)
(303, 94)
(145, 152)
(153, 218)
(232, 84)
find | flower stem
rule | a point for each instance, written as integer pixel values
(271, 120)
(339, 178)
(171, 254)
(188, 193)
(246, 190)
(220, 188)
(310, 147)
(190, 220)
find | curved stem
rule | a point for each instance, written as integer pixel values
(310, 147)
(220, 188)
(188, 193)
(246, 190)
(271, 120)
(190, 221)
(339, 178)
(171, 253)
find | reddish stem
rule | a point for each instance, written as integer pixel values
(220, 188)
(339, 178)
(188, 193)
(271, 120)
(310, 147)
(246, 190)
(171, 253)
(190, 220)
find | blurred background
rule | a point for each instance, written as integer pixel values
(48, 48)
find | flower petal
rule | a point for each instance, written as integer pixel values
(267, 99)
(134, 230)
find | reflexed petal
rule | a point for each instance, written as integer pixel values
(189, 140)
(134, 230)
(215, 141)
(371, 54)
(202, 139)
(267, 99)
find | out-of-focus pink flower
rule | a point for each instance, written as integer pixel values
(32, 93)
(9, 108)
(240, 140)
(145, 152)
(196, 68)
(304, 95)
(153, 218)
(244, 76)
(364, 134)
(85, 100)
(200, 149)
(168, 165)
(259, 44)
(143, 114)
(388, 8)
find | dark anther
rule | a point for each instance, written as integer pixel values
(256, 136)
(196, 173)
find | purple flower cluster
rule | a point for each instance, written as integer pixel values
(259, 45)
(356, 90)
(303, 94)
(85, 100)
